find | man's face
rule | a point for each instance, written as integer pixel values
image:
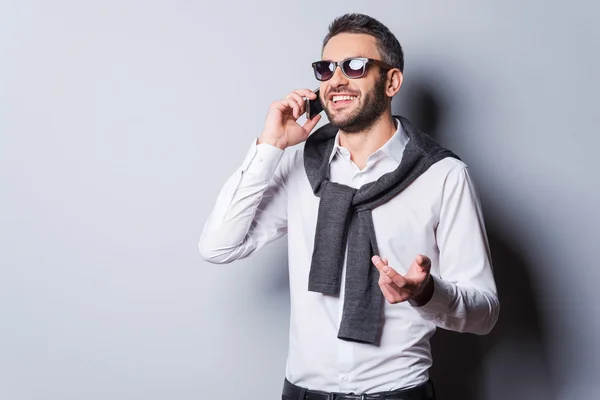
(368, 98)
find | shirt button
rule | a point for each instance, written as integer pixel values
(345, 379)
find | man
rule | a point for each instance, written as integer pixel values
(385, 231)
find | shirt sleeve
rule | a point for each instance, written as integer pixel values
(465, 297)
(250, 210)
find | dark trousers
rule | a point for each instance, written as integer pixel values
(421, 392)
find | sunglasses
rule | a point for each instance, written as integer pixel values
(353, 68)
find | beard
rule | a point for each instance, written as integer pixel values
(362, 118)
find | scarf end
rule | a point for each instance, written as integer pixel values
(360, 337)
(324, 288)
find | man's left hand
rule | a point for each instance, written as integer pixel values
(416, 285)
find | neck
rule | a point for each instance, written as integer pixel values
(362, 144)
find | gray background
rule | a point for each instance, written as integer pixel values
(120, 121)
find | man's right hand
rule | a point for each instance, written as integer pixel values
(281, 129)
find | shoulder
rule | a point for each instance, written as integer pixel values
(455, 180)
(449, 167)
(450, 176)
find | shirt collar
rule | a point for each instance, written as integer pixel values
(393, 148)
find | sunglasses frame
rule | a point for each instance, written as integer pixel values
(365, 61)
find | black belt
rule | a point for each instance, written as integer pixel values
(421, 392)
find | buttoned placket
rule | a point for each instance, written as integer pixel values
(345, 349)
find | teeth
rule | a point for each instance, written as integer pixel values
(338, 98)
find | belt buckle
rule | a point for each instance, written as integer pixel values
(334, 396)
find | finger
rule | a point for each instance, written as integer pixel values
(386, 269)
(388, 272)
(306, 93)
(400, 281)
(393, 294)
(284, 105)
(291, 104)
(391, 272)
(378, 262)
(382, 265)
(390, 294)
(383, 278)
(310, 124)
(298, 99)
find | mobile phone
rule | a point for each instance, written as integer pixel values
(313, 107)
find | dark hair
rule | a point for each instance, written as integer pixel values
(387, 44)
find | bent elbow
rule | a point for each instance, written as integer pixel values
(217, 251)
(492, 317)
(211, 254)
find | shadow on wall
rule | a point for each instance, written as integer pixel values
(462, 367)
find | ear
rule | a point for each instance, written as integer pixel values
(394, 82)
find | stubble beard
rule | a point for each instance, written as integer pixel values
(363, 118)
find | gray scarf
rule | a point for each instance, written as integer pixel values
(345, 216)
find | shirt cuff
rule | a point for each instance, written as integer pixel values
(262, 160)
(444, 294)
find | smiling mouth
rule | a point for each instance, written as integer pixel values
(342, 99)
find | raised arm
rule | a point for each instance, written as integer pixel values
(251, 209)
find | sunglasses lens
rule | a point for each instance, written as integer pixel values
(354, 68)
(323, 70)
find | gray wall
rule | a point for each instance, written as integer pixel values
(119, 122)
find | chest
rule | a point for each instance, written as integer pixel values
(404, 226)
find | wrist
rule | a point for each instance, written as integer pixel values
(426, 294)
(280, 144)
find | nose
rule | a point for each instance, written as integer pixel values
(338, 78)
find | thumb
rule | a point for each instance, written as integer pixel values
(424, 262)
(310, 124)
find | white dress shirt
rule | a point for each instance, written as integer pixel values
(439, 215)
